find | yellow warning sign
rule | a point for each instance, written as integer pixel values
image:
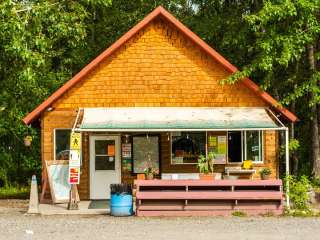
(75, 141)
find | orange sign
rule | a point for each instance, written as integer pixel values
(111, 150)
(74, 175)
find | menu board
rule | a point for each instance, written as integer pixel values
(218, 145)
(58, 180)
(145, 153)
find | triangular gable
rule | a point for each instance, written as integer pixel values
(160, 11)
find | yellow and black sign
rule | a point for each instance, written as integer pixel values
(75, 141)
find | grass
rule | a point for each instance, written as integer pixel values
(239, 214)
(300, 213)
(12, 192)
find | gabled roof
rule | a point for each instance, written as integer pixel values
(159, 11)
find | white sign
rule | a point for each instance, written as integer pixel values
(74, 158)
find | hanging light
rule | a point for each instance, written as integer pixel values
(27, 141)
(168, 137)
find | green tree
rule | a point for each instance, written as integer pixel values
(276, 43)
(286, 48)
(39, 45)
(44, 42)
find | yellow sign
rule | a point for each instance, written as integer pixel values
(75, 141)
(212, 141)
(222, 144)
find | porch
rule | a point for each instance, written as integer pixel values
(122, 142)
(119, 143)
(190, 198)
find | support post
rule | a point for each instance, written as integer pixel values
(73, 202)
(287, 167)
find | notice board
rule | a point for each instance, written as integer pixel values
(58, 180)
(145, 153)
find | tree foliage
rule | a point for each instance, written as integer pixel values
(44, 42)
(39, 45)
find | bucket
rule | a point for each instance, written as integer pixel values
(121, 200)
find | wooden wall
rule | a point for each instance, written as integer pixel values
(158, 67)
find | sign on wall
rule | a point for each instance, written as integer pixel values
(75, 141)
(145, 153)
(74, 175)
(75, 158)
(218, 145)
(126, 150)
(126, 157)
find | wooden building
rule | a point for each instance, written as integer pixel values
(155, 96)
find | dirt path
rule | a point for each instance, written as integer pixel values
(15, 225)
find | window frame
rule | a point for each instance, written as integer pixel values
(54, 141)
(261, 146)
(243, 147)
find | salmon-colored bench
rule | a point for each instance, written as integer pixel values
(205, 198)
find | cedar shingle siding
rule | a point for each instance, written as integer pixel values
(158, 67)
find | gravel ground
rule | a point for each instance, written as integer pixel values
(14, 224)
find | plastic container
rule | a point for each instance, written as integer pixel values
(121, 200)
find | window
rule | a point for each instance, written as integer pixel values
(235, 147)
(104, 155)
(253, 146)
(62, 144)
(245, 145)
(187, 146)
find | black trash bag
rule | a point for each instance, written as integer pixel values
(121, 188)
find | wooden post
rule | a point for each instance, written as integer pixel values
(73, 202)
(43, 190)
(287, 167)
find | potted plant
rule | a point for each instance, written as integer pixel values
(150, 172)
(265, 173)
(206, 166)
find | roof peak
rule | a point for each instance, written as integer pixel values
(126, 37)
